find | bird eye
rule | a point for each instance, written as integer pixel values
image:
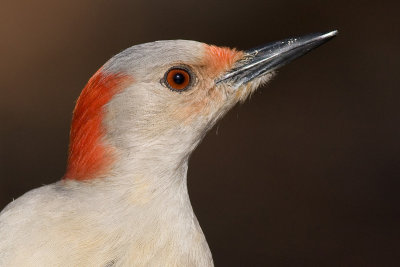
(178, 79)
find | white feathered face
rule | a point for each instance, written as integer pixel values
(160, 98)
(153, 99)
(173, 97)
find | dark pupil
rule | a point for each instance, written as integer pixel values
(179, 78)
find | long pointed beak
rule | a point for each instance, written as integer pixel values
(262, 60)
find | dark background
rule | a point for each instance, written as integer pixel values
(306, 173)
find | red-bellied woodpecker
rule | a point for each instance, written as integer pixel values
(123, 200)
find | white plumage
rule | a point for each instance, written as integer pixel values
(124, 199)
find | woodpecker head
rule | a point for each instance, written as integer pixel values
(154, 102)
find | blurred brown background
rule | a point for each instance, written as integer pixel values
(306, 173)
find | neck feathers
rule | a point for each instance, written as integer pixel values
(88, 156)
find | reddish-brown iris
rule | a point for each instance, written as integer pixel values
(178, 79)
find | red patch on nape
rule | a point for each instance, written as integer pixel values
(88, 157)
(221, 58)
